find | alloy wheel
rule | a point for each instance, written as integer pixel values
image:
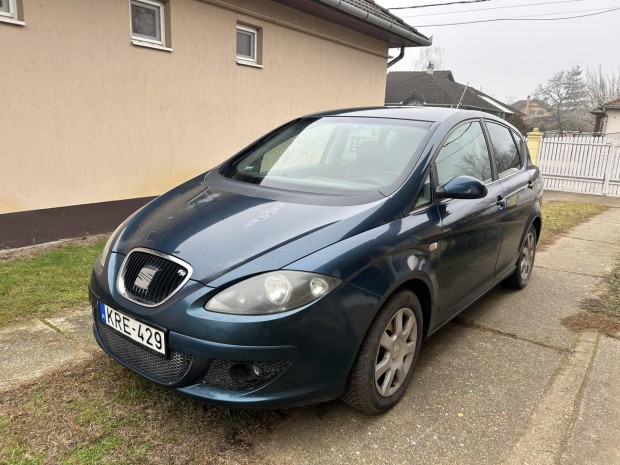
(527, 255)
(396, 352)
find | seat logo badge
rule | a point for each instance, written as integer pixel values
(432, 247)
(145, 277)
(181, 273)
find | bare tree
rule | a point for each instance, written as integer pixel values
(473, 164)
(432, 55)
(567, 99)
(601, 87)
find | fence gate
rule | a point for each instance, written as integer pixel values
(587, 165)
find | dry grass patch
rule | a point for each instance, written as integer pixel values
(100, 413)
(586, 321)
(602, 313)
(559, 217)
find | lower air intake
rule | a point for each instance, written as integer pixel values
(165, 370)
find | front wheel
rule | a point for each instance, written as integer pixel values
(385, 362)
(525, 264)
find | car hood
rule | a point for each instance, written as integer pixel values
(226, 235)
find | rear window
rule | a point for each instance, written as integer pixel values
(331, 155)
(506, 153)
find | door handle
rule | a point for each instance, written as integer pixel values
(530, 184)
(501, 202)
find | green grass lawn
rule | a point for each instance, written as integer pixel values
(45, 283)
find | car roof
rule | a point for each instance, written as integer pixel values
(420, 113)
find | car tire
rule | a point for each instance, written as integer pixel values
(525, 263)
(388, 355)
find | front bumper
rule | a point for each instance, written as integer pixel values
(304, 355)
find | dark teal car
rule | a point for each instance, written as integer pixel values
(313, 264)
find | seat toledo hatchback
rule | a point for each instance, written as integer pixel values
(312, 264)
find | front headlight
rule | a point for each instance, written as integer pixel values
(272, 292)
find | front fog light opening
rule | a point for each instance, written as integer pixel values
(244, 373)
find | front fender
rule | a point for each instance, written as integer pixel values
(382, 259)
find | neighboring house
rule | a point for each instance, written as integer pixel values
(439, 89)
(608, 119)
(105, 102)
(536, 112)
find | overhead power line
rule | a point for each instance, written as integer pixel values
(490, 8)
(437, 4)
(521, 18)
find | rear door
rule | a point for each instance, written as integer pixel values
(471, 228)
(508, 149)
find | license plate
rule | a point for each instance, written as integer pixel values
(135, 330)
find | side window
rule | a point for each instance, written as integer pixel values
(506, 153)
(424, 197)
(464, 153)
(520, 143)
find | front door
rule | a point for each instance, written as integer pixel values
(471, 228)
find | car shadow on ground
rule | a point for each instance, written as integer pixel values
(471, 395)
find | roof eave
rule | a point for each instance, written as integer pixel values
(367, 23)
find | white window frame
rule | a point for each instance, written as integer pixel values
(253, 32)
(11, 12)
(11, 16)
(142, 40)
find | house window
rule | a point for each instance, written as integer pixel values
(147, 22)
(7, 8)
(247, 45)
(10, 12)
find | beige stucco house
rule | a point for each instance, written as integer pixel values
(105, 102)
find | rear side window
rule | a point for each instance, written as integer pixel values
(506, 153)
(465, 152)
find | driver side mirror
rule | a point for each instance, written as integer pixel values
(462, 187)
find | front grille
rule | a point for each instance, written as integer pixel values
(165, 370)
(150, 278)
(219, 374)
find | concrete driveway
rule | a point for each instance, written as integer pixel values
(505, 383)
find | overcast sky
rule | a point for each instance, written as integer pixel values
(510, 58)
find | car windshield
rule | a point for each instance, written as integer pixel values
(334, 155)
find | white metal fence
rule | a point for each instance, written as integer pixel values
(588, 165)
